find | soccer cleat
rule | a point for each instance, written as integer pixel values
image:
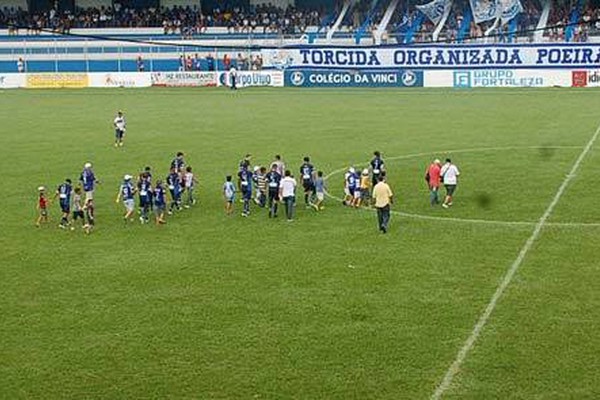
(445, 205)
(186, 206)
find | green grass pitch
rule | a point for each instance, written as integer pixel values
(216, 307)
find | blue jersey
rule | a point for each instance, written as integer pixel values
(377, 165)
(353, 181)
(127, 190)
(178, 164)
(273, 180)
(173, 182)
(64, 193)
(87, 179)
(145, 189)
(159, 195)
(306, 171)
(245, 180)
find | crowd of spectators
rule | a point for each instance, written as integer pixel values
(190, 21)
(184, 21)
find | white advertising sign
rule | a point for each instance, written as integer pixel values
(119, 79)
(12, 81)
(184, 79)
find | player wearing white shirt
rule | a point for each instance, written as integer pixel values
(287, 192)
(119, 124)
(450, 175)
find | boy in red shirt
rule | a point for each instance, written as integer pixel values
(42, 207)
(433, 177)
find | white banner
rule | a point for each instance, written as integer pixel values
(184, 79)
(498, 78)
(12, 81)
(435, 10)
(439, 56)
(119, 79)
(509, 9)
(253, 78)
(485, 10)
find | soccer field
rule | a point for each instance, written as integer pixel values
(216, 307)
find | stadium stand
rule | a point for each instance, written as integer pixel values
(129, 35)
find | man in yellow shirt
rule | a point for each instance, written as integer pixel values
(383, 196)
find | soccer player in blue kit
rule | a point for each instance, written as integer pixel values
(160, 202)
(307, 172)
(174, 184)
(126, 192)
(63, 192)
(273, 180)
(245, 180)
(145, 195)
(88, 181)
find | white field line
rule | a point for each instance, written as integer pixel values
(483, 319)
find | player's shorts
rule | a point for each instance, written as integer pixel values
(44, 212)
(320, 196)
(450, 189)
(119, 133)
(65, 207)
(357, 193)
(89, 195)
(308, 186)
(246, 194)
(159, 208)
(364, 193)
(274, 195)
(351, 191)
(77, 215)
(129, 205)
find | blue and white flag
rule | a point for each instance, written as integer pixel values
(436, 9)
(485, 10)
(510, 9)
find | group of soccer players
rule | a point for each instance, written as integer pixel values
(77, 203)
(71, 199)
(152, 197)
(268, 186)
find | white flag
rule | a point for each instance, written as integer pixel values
(485, 10)
(436, 9)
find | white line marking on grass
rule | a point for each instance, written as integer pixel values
(483, 319)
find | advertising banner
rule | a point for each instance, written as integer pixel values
(438, 57)
(353, 78)
(585, 78)
(253, 78)
(12, 81)
(498, 78)
(57, 80)
(179, 79)
(120, 79)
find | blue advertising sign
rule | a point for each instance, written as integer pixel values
(353, 78)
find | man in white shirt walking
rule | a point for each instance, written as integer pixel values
(450, 175)
(287, 192)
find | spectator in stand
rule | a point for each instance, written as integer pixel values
(20, 65)
(226, 62)
(140, 64)
(210, 62)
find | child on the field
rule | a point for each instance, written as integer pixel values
(319, 191)
(190, 183)
(88, 208)
(228, 195)
(365, 187)
(42, 207)
(77, 207)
